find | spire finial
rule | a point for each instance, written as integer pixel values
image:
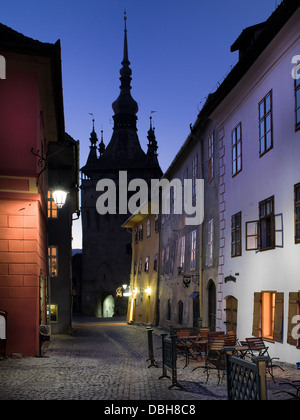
(125, 18)
(93, 137)
(101, 145)
(125, 58)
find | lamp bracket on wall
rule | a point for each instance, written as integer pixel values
(42, 163)
(230, 278)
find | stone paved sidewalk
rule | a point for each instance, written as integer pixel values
(106, 360)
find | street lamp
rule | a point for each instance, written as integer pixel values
(148, 291)
(127, 290)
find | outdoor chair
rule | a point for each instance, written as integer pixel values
(183, 342)
(203, 332)
(231, 339)
(211, 335)
(196, 345)
(215, 358)
(257, 347)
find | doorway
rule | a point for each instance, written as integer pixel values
(196, 310)
(108, 307)
(231, 314)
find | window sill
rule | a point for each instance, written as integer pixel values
(236, 173)
(268, 339)
(265, 152)
(266, 249)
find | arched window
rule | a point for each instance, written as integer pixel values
(169, 310)
(180, 312)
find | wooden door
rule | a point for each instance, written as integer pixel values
(231, 314)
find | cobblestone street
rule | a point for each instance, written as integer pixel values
(106, 360)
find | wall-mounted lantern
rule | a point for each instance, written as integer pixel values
(127, 290)
(59, 197)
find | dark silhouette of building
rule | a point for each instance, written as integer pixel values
(106, 256)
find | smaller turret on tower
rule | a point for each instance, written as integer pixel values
(152, 159)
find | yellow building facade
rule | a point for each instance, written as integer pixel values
(143, 288)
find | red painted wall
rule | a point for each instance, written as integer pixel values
(23, 225)
(19, 123)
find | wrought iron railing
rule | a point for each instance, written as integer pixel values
(246, 380)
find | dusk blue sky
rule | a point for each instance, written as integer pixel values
(179, 50)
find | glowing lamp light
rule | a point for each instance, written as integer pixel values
(148, 290)
(127, 290)
(59, 197)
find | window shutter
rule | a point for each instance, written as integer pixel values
(278, 219)
(252, 235)
(256, 314)
(294, 299)
(277, 333)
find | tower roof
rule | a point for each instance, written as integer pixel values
(124, 151)
(125, 104)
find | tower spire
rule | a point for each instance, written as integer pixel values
(125, 104)
(152, 146)
(101, 145)
(125, 56)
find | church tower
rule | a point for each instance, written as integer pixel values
(106, 259)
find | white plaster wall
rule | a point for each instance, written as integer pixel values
(275, 173)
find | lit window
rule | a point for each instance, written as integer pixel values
(53, 314)
(52, 208)
(52, 260)
(210, 239)
(265, 124)
(268, 314)
(182, 253)
(148, 228)
(193, 250)
(147, 264)
(236, 139)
